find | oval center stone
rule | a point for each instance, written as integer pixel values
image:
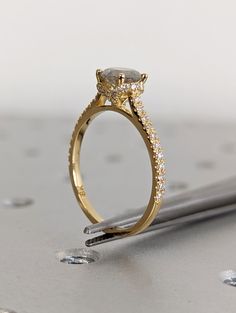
(112, 75)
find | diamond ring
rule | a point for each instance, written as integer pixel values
(119, 90)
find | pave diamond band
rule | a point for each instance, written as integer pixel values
(122, 88)
(155, 146)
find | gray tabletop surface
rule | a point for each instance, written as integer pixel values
(172, 270)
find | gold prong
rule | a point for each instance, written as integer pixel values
(98, 75)
(121, 79)
(144, 77)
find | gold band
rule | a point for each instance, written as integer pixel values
(128, 104)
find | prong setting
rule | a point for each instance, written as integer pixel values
(117, 84)
(144, 78)
(121, 79)
(98, 75)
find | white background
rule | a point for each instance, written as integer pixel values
(51, 48)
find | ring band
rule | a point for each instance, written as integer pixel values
(119, 91)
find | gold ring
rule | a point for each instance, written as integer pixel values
(119, 90)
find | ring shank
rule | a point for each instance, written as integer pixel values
(97, 107)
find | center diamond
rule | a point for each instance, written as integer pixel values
(112, 75)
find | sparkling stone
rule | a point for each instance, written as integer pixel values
(152, 136)
(160, 155)
(112, 75)
(139, 106)
(141, 113)
(161, 167)
(151, 131)
(145, 119)
(161, 178)
(140, 110)
(138, 101)
(158, 196)
(156, 146)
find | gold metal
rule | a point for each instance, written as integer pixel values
(121, 79)
(123, 94)
(98, 75)
(144, 77)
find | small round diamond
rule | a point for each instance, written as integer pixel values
(142, 113)
(151, 131)
(158, 197)
(145, 120)
(161, 168)
(161, 178)
(156, 147)
(152, 136)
